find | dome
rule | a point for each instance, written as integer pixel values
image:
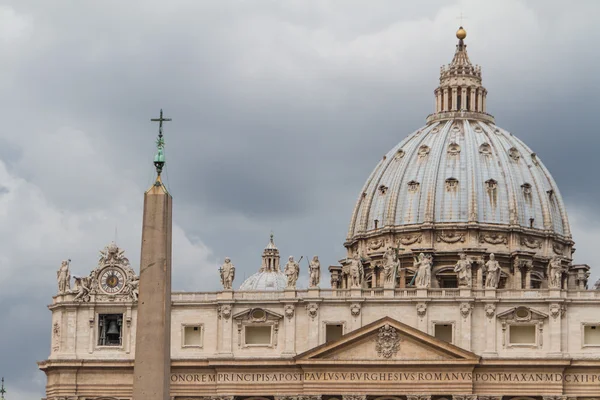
(269, 276)
(265, 281)
(460, 170)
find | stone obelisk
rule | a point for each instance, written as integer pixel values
(152, 367)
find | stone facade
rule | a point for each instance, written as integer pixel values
(485, 304)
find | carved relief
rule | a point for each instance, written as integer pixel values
(485, 149)
(355, 309)
(451, 185)
(557, 310)
(410, 239)
(289, 310)
(450, 237)
(383, 189)
(354, 397)
(465, 309)
(464, 397)
(493, 238)
(413, 186)
(312, 309)
(421, 309)
(417, 397)
(224, 311)
(55, 337)
(514, 154)
(490, 310)
(375, 244)
(453, 149)
(424, 151)
(399, 154)
(388, 341)
(558, 248)
(531, 242)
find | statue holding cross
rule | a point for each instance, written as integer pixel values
(159, 158)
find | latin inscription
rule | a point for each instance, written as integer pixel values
(209, 378)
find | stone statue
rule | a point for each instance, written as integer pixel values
(134, 287)
(291, 271)
(597, 285)
(227, 272)
(356, 271)
(555, 272)
(423, 266)
(314, 269)
(492, 268)
(463, 269)
(334, 282)
(63, 276)
(83, 288)
(390, 267)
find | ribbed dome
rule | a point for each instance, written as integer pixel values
(460, 171)
(265, 281)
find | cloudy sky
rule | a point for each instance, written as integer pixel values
(280, 111)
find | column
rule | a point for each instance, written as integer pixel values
(289, 310)
(528, 269)
(484, 105)
(473, 99)
(463, 97)
(479, 276)
(313, 324)
(445, 105)
(226, 331)
(555, 326)
(479, 100)
(454, 98)
(518, 278)
(465, 326)
(71, 331)
(438, 100)
(490, 329)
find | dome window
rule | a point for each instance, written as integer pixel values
(526, 189)
(451, 184)
(423, 151)
(477, 129)
(485, 149)
(413, 186)
(399, 154)
(514, 154)
(491, 185)
(550, 194)
(383, 189)
(453, 149)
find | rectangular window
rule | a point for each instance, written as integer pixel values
(110, 329)
(333, 332)
(591, 335)
(258, 335)
(192, 336)
(522, 334)
(443, 332)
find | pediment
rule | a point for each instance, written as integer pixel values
(522, 314)
(387, 341)
(257, 315)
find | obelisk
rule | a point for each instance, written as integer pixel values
(152, 366)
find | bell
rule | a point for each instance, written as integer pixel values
(113, 329)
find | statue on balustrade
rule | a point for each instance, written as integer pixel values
(227, 272)
(555, 272)
(390, 267)
(314, 269)
(463, 269)
(423, 266)
(291, 271)
(63, 276)
(83, 287)
(492, 269)
(356, 271)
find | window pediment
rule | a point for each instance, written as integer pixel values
(257, 315)
(522, 314)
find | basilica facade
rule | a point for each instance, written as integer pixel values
(458, 284)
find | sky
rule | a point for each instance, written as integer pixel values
(280, 111)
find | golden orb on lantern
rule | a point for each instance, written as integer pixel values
(461, 33)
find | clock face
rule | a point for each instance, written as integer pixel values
(112, 280)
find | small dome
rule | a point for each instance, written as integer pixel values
(269, 281)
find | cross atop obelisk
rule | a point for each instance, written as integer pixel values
(159, 158)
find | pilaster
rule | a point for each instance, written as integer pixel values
(289, 311)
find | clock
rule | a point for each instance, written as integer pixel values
(112, 280)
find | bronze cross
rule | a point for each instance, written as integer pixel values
(160, 122)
